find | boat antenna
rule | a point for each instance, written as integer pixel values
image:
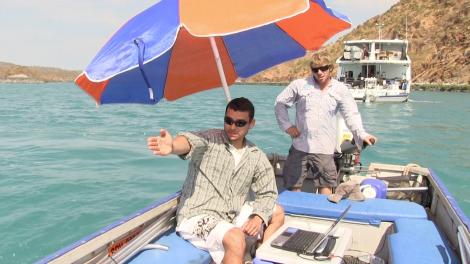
(379, 26)
(406, 27)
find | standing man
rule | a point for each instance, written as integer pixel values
(318, 99)
(365, 52)
(214, 212)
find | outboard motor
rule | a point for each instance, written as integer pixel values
(347, 160)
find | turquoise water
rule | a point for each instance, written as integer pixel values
(68, 168)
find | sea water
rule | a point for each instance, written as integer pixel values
(68, 167)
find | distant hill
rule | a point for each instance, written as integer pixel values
(438, 33)
(12, 73)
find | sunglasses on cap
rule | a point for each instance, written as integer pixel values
(238, 123)
(322, 68)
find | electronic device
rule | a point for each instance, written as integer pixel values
(307, 242)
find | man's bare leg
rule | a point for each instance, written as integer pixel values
(277, 220)
(234, 246)
(325, 190)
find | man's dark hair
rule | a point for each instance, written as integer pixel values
(242, 104)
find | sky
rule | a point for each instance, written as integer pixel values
(67, 34)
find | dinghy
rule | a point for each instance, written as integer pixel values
(408, 217)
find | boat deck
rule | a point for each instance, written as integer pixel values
(354, 239)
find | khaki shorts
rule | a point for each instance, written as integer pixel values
(299, 164)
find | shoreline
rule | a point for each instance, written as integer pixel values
(263, 83)
(28, 81)
(428, 87)
(441, 87)
(425, 87)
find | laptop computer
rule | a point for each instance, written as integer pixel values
(303, 241)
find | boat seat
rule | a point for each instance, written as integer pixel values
(179, 251)
(371, 211)
(419, 241)
(260, 261)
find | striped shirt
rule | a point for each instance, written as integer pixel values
(316, 112)
(215, 186)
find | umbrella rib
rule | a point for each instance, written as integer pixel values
(293, 39)
(141, 50)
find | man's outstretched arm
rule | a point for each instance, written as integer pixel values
(165, 144)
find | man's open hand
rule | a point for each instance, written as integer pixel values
(161, 145)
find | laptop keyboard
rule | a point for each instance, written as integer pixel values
(300, 240)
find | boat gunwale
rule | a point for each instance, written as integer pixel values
(445, 193)
(70, 248)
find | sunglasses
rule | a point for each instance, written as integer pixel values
(238, 123)
(322, 68)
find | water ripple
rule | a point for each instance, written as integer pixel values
(69, 168)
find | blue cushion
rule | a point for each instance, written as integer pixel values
(260, 261)
(419, 241)
(372, 211)
(180, 251)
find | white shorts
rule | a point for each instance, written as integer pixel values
(207, 233)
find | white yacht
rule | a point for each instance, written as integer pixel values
(376, 70)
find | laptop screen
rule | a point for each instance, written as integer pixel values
(332, 227)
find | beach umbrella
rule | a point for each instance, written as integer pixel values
(179, 47)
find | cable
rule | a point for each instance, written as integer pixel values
(113, 259)
(320, 258)
(346, 259)
(300, 256)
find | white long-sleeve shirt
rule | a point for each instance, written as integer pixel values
(316, 112)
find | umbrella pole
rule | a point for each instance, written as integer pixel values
(220, 69)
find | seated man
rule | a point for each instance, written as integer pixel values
(214, 212)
